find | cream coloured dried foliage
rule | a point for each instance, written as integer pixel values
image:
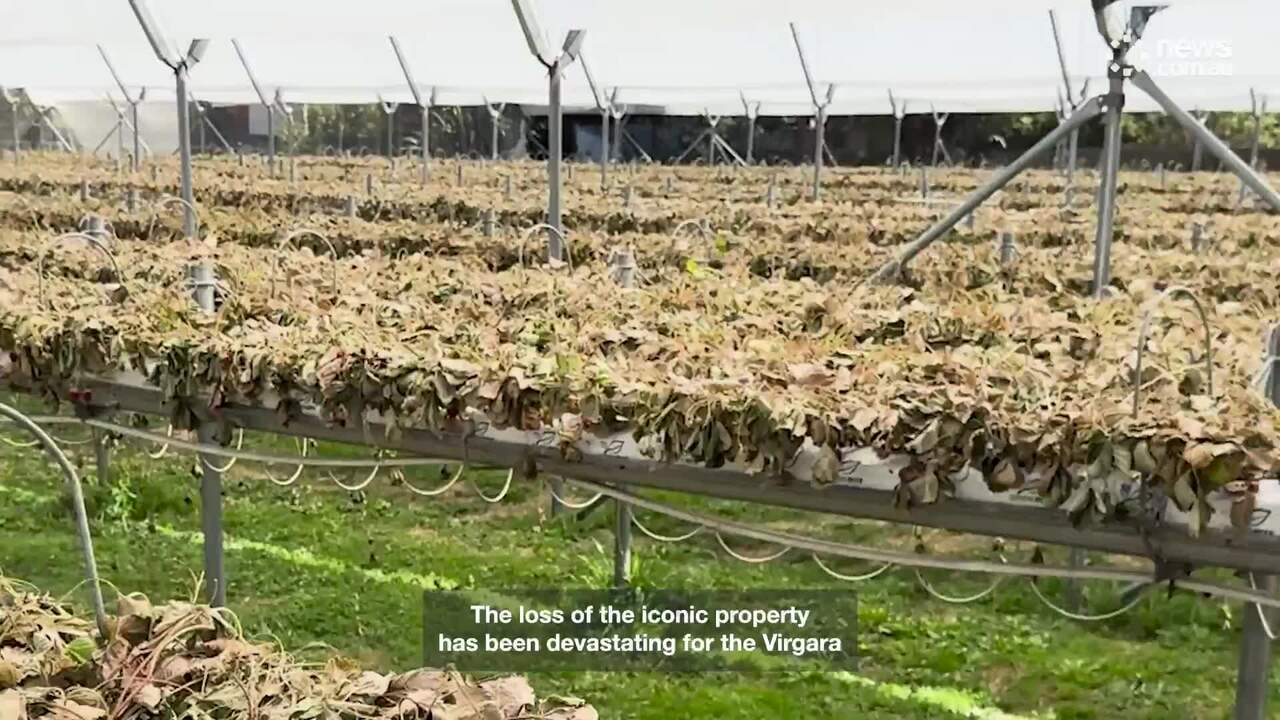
(188, 660)
(739, 345)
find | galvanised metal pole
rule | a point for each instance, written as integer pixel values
(1255, 658)
(426, 142)
(751, 139)
(495, 128)
(604, 148)
(711, 142)
(1256, 140)
(204, 146)
(17, 139)
(137, 136)
(210, 478)
(1197, 150)
(621, 545)
(119, 137)
(899, 111)
(1112, 140)
(819, 142)
(616, 149)
(1255, 643)
(554, 250)
(184, 152)
(76, 491)
(391, 130)
(271, 138)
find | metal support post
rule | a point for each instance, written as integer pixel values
(619, 113)
(271, 140)
(899, 113)
(752, 112)
(15, 119)
(215, 576)
(1112, 141)
(203, 281)
(184, 150)
(1070, 99)
(1258, 110)
(135, 162)
(426, 144)
(555, 65)
(553, 159)
(424, 104)
(819, 142)
(1197, 150)
(102, 456)
(119, 130)
(1255, 639)
(604, 149)
(939, 147)
(713, 121)
(819, 113)
(266, 103)
(621, 545)
(389, 109)
(495, 126)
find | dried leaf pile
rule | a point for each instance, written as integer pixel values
(189, 661)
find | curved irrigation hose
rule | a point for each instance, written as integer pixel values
(77, 504)
(288, 240)
(435, 492)
(760, 560)
(1086, 618)
(19, 444)
(493, 500)
(360, 485)
(163, 204)
(871, 575)
(862, 552)
(1170, 293)
(164, 448)
(959, 600)
(230, 463)
(573, 505)
(42, 420)
(564, 240)
(665, 538)
(251, 456)
(297, 472)
(93, 243)
(1262, 617)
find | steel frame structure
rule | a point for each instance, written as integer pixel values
(820, 106)
(133, 101)
(1108, 106)
(269, 104)
(424, 106)
(556, 64)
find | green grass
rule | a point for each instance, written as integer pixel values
(313, 564)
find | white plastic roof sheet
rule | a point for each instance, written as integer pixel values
(683, 57)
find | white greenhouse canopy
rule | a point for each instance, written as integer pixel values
(671, 56)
